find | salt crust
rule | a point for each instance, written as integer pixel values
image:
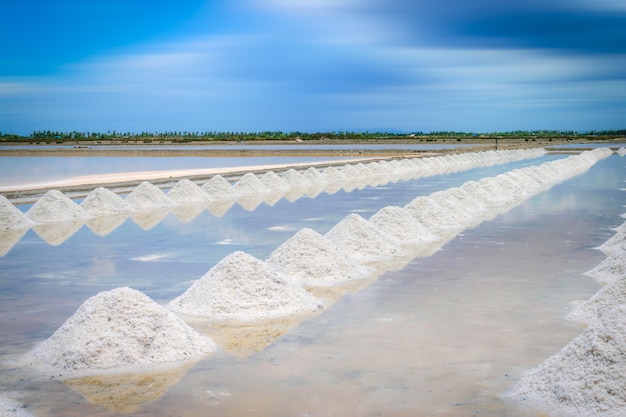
(187, 192)
(362, 240)
(250, 184)
(218, 188)
(586, 378)
(242, 287)
(398, 223)
(11, 408)
(121, 329)
(313, 260)
(147, 196)
(54, 206)
(103, 202)
(11, 217)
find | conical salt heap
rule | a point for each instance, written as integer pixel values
(454, 208)
(608, 297)
(218, 188)
(187, 192)
(118, 330)
(610, 269)
(103, 202)
(275, 182)
(363, 241)
(296, 180)
(11, 217)
(244, 288)
(398, 223)
(250, 184)
(434, 217)
(314, 261)
(314, 176)
(54, 206)
(616, 244)
(586, 378)
(147, 196)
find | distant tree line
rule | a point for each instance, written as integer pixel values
(186, 136)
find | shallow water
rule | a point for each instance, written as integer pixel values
(445, 335)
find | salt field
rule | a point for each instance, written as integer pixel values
(424, 286)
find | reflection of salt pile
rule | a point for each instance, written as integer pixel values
(187, 192)
(621, 151)
(103, 202)
(118, 329)
(242, 287)
(313, 260)
(147, 196)
(128, 392)
(363, 241)
(587, 377)
(54, 206)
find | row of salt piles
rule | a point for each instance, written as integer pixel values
(242, 288)
(588, 375)
(56, 207)
(104, 211)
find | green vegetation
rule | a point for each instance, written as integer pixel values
(183, 137)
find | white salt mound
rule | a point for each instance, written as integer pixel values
(314, 176)
(610, 269)
(250, 184)
(296, 180)
(434, 217)
(586, 378)
(313, 260)
(187, 192)
(242, 287)
(121, 328)
(218, 188)
(397, 222)
(54, 206)
(617, 243)
(363, 241)
(11, 217)
(147, 195)
(608, 297)
(103, 202)
(275, 182)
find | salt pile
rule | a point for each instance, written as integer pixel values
(314, 260)
(609, 296)
(296, 180)
(250, 184)
(218, 188)
(616, 244)
(455, 209)
(103, 202)
(147, 195)
(187, 192)
(275, 182)
(11, 217)
(333, 175)
(119, 329)
(468, 201)
(242, 287)
(398, 223)
(434, 217)
(587, 377)
(54, 206)
(363, 241)
(314, 176)
(610, 269)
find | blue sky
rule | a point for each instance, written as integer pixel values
(312, 65)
